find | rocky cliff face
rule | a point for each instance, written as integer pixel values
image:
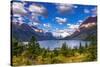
(87, 28)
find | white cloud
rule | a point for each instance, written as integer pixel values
(16, 15)
(37, 9)
(34, 17)
(14, 20)
(74, 26)
(75, 6)
(17, 21)
(61, 33)
(18, 8)
(80, 21)
(33, 23)
(67, 31)
(70, 31)
(64, 34)
(61, 20)
(65, 7)
(21, 22)
(68, 24)
(47, 25)
(19, 17)
(94, 11)
(34, 20)
(86, 11)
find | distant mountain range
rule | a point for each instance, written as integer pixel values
(86, 29)
(24, 32)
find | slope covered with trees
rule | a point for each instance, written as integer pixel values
(33, 54)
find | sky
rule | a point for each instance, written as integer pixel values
(60, 19)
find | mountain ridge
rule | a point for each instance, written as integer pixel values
(24, 32)
(87, 28)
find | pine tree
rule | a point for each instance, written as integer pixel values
(80, 48)
(33, 48)
(86, 45)
(17, 48)
(64, 49)
(55, 52)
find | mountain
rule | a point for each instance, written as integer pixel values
(86, 29)
(24, 32)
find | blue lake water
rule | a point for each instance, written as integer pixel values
(58, 43)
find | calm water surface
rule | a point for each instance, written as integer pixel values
(58, 43)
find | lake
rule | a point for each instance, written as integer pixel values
(58, 43)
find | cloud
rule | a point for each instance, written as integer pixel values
(86, 11)
(61, 20)
(16, 15)
(34, 17)
(75, 6)
(19, 17)
(94, 11)
(74, 26)
(68, 24)
(14, 20)
(62, 33)
(34, 23)
(18, 8)
(17, 21)
(47, 25)
(37, 9)
(80, 21)
(63, 8)
(32, 12)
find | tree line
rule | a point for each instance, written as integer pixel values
(33, 54)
